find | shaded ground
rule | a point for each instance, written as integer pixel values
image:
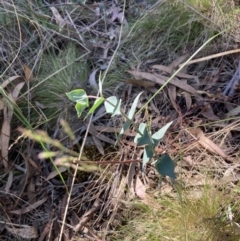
(48, 49)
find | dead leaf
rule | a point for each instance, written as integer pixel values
(121, 18)
(172, 95)
(97, 11)
(180, 84)
(212, 79)
(91, 233)
(26, 232)
(115, 12)
(31, 191)
(111, 33)
(33, 163)
(143, 83)
(59, 20)
(45, 231)
(98, 144)
(17, 90)
(28, 73)
(140, 189)
(207, 143)
(179, 60)
(166, 189)
(154, 107)
(110, 129)
(9, 182)
(5, 132)
(188, 100)
(188, 161)
(29, 208)
(9, 80)
(130, 176)
(208, 113)
(92, 80)
(55, 173)
(87, 215)
(169, 70)
(161, 80)
(5, 137)
(63, 206)
(94, 132)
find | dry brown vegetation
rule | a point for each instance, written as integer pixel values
(49, 48)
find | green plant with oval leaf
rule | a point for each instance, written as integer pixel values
(163, 164)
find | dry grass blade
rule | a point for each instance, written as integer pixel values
(212, 56)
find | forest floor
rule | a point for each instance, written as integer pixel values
(162, 162)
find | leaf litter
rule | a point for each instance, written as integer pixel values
(91, 203)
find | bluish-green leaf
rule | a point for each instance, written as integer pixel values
(130, 116)
(77, 95)
(80, 107)
(96, 104)
(112, 105)
(133, 107)
(156, 137)
(144, 138)
(165, 166)
(141, 129)
(147, 155)
(124, 128)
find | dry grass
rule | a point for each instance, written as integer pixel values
(197, 213)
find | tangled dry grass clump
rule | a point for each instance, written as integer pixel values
(69, 178)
